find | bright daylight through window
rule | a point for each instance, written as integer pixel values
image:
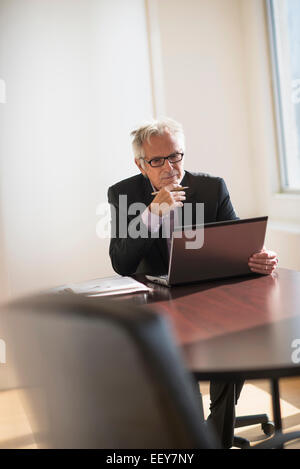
(284, 23)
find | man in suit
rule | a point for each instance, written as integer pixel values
(159, 149)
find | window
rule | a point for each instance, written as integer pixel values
(284, 26)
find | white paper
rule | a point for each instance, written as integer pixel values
(116, 285)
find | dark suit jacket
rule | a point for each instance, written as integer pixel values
(150, 256)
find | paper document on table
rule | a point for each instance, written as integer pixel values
(116, 285)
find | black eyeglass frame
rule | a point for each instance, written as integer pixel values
(163, 158)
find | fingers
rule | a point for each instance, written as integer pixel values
(265, 267)
(165, 200)
(265, 261)
(170, 187)
(177, 196)
(264, 255)
(178, 193)
(264, 270)
(177, 201)
(171, 198)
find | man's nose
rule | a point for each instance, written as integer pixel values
(168, 165)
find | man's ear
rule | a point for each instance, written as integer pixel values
(139, 165)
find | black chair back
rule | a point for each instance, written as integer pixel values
(102, 374)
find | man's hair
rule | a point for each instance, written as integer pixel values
(155, 127)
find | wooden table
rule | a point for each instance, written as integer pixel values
(235, 328)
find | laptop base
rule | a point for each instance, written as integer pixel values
(160, 279)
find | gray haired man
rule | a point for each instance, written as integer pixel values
(159, 148)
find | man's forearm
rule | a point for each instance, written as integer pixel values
(127, 253)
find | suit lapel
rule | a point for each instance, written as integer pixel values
(147, 190)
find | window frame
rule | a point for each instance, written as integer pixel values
(277, 98)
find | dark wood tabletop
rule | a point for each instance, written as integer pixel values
(239, 327)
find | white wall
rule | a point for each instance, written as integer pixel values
(204, 77)
(283, 234)
(77, 78)
(217, 81)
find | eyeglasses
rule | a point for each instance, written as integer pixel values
(160, 160)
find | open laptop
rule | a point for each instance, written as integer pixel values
(226, 248)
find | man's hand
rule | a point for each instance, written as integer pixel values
(167, 200)
(263, 262)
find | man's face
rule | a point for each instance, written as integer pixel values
(162, 145)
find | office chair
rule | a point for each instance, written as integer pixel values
(103, 375)
(267, 427)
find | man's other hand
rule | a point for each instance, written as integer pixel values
(263, 262)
